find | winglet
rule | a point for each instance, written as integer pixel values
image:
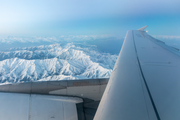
(142, 29)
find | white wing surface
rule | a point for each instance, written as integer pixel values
(145, 83)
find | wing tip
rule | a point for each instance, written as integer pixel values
(143, 28)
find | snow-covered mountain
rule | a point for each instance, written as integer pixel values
(54, 62)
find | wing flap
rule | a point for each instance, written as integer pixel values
(161, 70)
(89, 88)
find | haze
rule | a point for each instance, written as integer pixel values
(92, 17)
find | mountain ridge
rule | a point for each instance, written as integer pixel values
(56, 63)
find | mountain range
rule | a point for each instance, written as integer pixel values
(54, 62)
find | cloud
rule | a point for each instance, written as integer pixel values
(166, 37)
(173, 41)
(63, 38)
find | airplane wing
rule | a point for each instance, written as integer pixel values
(145, 83)
(51, 100)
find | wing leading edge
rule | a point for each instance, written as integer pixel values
(144, 83)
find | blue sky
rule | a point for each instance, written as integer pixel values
(88, 17)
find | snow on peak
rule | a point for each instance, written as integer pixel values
(54, 62)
